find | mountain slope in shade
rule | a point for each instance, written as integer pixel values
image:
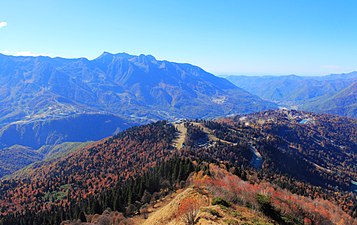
(343, 102)
(52, 131)
(307, 93)
(17, 157)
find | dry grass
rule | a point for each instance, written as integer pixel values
(178, 143)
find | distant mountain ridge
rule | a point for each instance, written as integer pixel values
(137, 87)
(307, 93)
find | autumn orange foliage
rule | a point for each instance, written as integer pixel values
(188, 210)
(223, 183)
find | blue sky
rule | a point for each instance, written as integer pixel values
(250, 37)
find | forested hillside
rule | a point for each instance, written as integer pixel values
(302, 152)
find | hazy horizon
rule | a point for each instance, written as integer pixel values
(224, 75)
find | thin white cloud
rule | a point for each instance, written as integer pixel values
(26, 53)
(5, 52)
(3, 24)
(23, 53)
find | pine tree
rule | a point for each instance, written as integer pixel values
(146, 197)
(82, 217)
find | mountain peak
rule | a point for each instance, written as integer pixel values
(121, 55)
(141, 57)
(148, 57)
(145, 59)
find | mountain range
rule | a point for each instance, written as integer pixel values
(334, 94)
(137, 87)
(110, 139)
(48, 101)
